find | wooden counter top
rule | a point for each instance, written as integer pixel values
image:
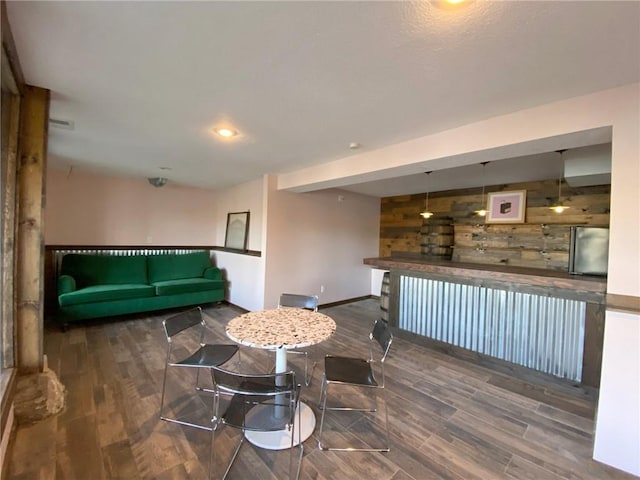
(623, 303)
(534, 277)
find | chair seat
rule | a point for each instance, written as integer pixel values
(208, 356)
(349, 370)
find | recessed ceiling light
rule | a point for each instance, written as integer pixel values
(451, 4)
(354, 145)
(226, 132)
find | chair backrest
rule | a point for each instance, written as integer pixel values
(273, 392)
(253, 384)
(310, 302)
(381, 334)
(180, 322)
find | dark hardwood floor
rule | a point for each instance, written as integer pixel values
(448, 418)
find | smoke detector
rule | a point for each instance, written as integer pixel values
(157, 181)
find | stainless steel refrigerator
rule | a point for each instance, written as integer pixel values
(589, 250)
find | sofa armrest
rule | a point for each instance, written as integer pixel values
(66, 284)
(212, 273)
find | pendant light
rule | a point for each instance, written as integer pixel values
(483, 211)
(558, 207)
(427, 213)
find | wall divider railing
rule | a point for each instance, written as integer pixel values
(58, 254)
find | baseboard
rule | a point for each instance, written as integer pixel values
(4, 443)
(344, 302)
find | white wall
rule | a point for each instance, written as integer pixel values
(617, 440)
(241, 198)
(245, 277)
(376, 281)
(244, 273)
(306, 241)
(88, 209)
(319, 239)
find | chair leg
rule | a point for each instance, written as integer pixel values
(323, 406)
(322, 389)
(164, 384)
(239, 360)
(235, 454)
(212, 455)
(300, 446)
(212, 450)
(386, 418)
(198, 380)
(212, 460)
(308, 377)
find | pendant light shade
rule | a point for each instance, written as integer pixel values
(558, 207)
(483, 211)
(427, 213)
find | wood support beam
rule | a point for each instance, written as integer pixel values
(10, 115)
(30, 262)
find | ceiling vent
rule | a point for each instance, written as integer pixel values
(58, 123)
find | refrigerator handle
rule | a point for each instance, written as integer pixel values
(572, 250)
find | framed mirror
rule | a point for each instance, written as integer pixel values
(237, 231)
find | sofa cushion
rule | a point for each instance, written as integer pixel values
(88, 270)
(187, 285)
(105, 293)
(174, 267)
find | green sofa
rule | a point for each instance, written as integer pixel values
(92, 286)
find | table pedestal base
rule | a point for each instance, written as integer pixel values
(281, 439)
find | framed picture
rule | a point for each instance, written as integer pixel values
(237, 231)
(506, 207)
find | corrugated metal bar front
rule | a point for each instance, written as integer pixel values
(538, 332)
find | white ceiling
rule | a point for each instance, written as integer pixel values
(146, 82)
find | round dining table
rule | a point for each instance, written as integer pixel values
(282, 329)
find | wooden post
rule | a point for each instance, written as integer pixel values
(593, 344)
(11, 107)
(30, 262)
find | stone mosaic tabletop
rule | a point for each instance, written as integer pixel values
(287, 327)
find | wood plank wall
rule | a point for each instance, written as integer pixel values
(541, 242)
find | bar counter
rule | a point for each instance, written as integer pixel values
(518, 319)
(562, 284)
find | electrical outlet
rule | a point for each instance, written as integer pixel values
(321, 288)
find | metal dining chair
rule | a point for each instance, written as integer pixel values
(178, 329)
(357, 372)
(308, 302)
(258, 403)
